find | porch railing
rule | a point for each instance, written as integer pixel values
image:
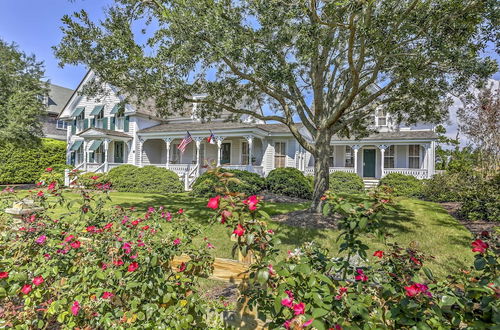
(310, 170)
(416, 172)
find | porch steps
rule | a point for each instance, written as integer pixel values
(370, 183)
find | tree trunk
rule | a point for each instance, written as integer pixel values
(321, 172)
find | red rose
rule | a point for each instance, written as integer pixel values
(180, 211)
(135, 222)
(479, 246)
(213, 203)
(48, 169)
(26, 289)
(182, 267)
(38, 280)
(4, 275)
(299, 308)
(107, 295)
(133, 267)
(412, 290)
(378, 254)
(75, 244)
(361, 276)
(239, 231)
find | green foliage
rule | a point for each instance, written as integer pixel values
(289, 182)
(343, 182)
(102, 268)
(21, 96)
(482, 200)
(149, 178)
(403, 185)
(209, 185)
(27, 164)
(57, 173)
(90, 179)
(449, 186)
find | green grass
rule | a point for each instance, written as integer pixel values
(425, 224)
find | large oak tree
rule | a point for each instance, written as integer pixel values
(327, 64)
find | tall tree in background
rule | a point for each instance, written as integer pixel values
(328, 64)
(479, 120)
(21, 96)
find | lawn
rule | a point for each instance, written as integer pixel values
(426, 224)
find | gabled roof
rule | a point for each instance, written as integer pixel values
(101, 132)
(58, 97)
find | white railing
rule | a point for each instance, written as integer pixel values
(309, 170)
(258, 169)
(92, 167)
(179, 169)
(190, 177)
(342, 169)
(416, 172)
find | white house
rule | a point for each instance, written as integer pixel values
(102, 135)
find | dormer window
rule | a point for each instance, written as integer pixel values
(382, 118)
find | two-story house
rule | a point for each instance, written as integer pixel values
(102, 134)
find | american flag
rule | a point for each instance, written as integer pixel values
(184, 143)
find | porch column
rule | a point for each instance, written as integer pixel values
(219, 147)
(85, 154)
(168, 141)
(250, 146)
(141, 144)
(106, 147)
(198, 144)
(355, 148)
(429, 164)
(382, 148)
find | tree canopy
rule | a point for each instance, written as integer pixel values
(327, 64)
(22, 93)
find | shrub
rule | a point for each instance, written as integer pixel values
(289, 182)
(57, 173)
(482, 201)
(148, 179)
(90, 179)
(343, 182)
(208, 184)
(26, 165)
(95, 272)
(403, 185)
(449, 186)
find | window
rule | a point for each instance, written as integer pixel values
(244, 153)
(80, 120)
(98, 119)
(382, 118)
(279, 154)
(389, 157)
(61, 124)
(349, 157)
(98, 155)
(79, 155)
(120, 118)
(331, 160)
(175, 154)
(414, 156)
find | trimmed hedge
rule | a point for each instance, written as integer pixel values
(147, 179)
(26, 165)
(403, 185)
(289, 182)
(343, 182)
(208, 185)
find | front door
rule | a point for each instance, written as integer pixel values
(225, 153)
(119, 151)
(369, 163)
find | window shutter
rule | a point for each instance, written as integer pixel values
(112, 123)
(86, 123)
(92, 122)
(105, 123)
(126, 124)
(73, 127)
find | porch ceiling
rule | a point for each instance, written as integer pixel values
(202, 129)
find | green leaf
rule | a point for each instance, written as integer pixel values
(479, 263)
(326, 209)
(141, 316)
(319, 312)
(363, 222)
(448, 300)
(428, 273)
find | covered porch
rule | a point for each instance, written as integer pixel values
(99, 150)
(373, 161)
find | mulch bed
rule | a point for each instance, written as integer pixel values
(475, 227)
(306, 219)
(274, 198)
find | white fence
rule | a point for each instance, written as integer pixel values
(310, 170)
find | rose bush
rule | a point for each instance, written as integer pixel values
(391, 288)
(100, 268)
